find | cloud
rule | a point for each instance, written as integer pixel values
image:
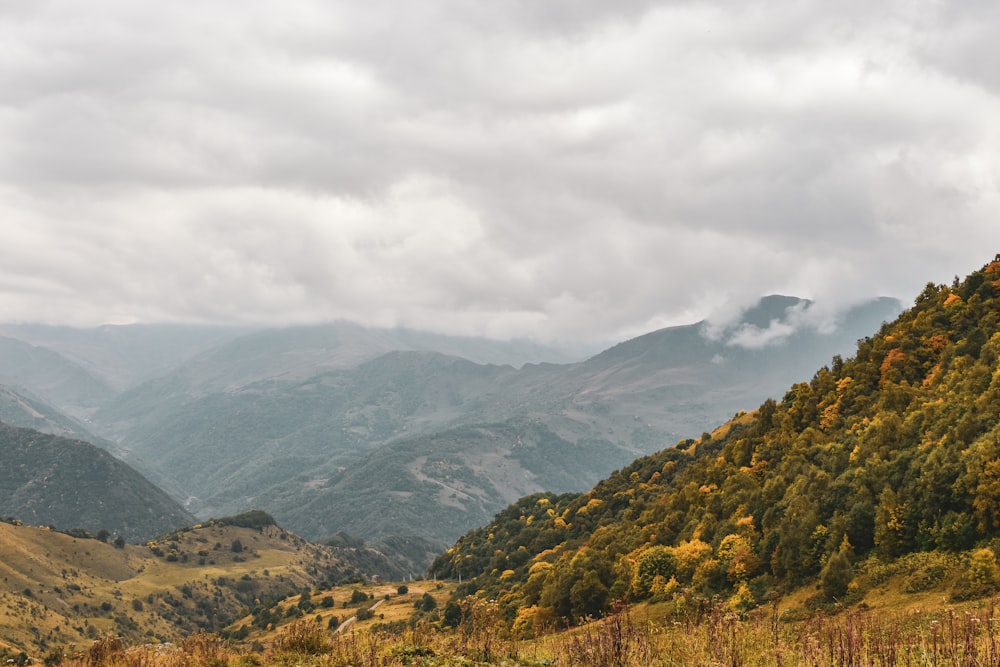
(552, 170)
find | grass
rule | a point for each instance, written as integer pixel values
(858, 638)
(52, 607)
(61, 592)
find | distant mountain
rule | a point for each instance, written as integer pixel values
(122, 356)
(50, 480)
(881, 464)
(52, 377)
(329, 432)
(19, 409)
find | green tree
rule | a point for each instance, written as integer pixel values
(588, 596)
(836, 576)
(427, 603)
(452, 614)
(656, 561)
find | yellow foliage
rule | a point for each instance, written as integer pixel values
(829, 415)
(594, 503)
(952, 300)
(541, 566)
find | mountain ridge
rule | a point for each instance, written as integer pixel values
(287, 442)
(883, 462)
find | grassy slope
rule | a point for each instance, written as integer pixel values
(59, 591)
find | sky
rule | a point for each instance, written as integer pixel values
(558, 170)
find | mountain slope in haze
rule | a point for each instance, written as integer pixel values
(122, 356)
(883, 463)
(50, 480)
(18, 409)
(52, 377)
(433, 443)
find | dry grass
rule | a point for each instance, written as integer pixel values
(60, 593)
(859, 638)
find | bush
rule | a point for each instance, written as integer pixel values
(426, 603)
(981, 577)
(836, 576)
(258, 519)
(303, 636)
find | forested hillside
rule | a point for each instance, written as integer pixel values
(50, 480)
(891, 453)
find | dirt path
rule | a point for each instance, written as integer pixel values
(354, 619)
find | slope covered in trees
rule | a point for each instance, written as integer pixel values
(893, 452)
(47, 479)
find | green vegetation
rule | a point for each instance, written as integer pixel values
(890, 453)
(50, 480)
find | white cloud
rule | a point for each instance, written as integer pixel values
(564, 169)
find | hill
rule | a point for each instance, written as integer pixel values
(20, 409)
(50, 480)
(57, 380)
(60, 591)
(883, 462)
(122, 356)
(422, 444)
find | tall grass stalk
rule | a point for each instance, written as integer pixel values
(716, 638)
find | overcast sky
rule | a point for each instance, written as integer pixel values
(555, 169)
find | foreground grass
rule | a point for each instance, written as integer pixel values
(859, 638)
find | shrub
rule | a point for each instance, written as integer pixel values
(303, 636)
(981, 577)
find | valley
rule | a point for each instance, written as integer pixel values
(390, 437)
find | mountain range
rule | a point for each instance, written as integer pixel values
(400, 436)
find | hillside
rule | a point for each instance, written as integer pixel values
(61, 591)
(55, 379)
(881, 463)
(19, 409)
(120, 357)
(436, 444)
(50, 480)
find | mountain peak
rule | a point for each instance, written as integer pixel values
(770, 308)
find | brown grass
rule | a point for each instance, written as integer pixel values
(856, 638)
